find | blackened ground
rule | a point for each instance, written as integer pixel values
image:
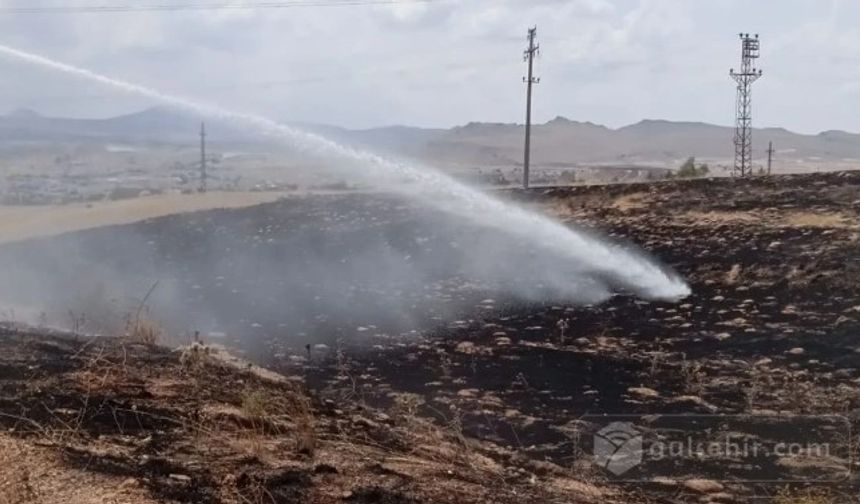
(770, 329)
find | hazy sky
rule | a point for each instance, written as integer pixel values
(448, 62)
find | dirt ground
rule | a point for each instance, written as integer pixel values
(24, 222)
(494, 405)
(113, 421)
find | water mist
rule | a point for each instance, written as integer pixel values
(569, 256)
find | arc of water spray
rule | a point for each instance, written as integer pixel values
(625, 267)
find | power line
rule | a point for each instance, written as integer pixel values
(81, 9)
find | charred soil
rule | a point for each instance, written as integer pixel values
(484, 402)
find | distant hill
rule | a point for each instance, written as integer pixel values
(558, 143)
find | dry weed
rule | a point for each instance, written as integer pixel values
(805, 496)
(144, 330)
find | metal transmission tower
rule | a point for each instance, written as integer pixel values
(743, 122)
(203, 157)
(529, 55)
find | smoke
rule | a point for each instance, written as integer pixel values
(493, 243)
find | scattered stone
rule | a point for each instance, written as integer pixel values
(466, 347)
(723, 336)
(721, 497)
(690, 400)
(367, 423)
(643, 392)
(130, 483)
(664, 481)
(732, 276)
(704, 486)
(796, 351)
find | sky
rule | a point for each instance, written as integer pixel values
(440, 63)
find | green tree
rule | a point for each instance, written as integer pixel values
(690, 170)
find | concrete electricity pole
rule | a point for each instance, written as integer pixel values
(202, 157)
(530, 54)
(769, 156)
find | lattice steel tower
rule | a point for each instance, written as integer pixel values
(743, 123)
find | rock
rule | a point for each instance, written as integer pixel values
(664, 481)
(503, 341)
(694, 401)
(184, 478)
(467, 393)
(364, 422)
(723, 336)
(733, 275)
(796, 351)
(466, 347)
(643, 392)
(789, 310)
(130, 483)
(704, 486)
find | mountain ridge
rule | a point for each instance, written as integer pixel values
(557, 142)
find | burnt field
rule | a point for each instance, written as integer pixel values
(350, 292)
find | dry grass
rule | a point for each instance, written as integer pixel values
(23, 222)
(805, 496)
(268, 418)
(819, 220)
(720, 217)
(693, 376)
(628, 202)
(39, 476)
(144, 330)
(788, 219)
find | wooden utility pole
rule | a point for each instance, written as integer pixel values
(202, 157)
(530, 54)
(769, 156)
